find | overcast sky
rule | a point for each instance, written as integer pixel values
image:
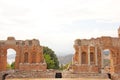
(57, 23)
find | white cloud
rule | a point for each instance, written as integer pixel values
(61, 12)
(53, 21)
(11, 54)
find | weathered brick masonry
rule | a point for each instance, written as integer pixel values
(29, 54)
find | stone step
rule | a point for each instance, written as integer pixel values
(39, 74)
(85, 75)
(57, 79)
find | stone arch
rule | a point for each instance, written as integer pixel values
(83, 59)
(4, 52)
(106, 56)
(112, 61)
(11, 54)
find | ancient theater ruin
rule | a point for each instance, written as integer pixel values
(89, 55)
(29, 54)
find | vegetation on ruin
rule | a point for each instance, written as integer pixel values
(50, 58)
(64, 67)
(11, 66)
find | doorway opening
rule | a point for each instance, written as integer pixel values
(11, 54)
(106, 61)
(58, 75)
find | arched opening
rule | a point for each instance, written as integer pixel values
(92, 59)
(33, 57)
(25, 57)
(83, 59)
(11, 54)
(106, 61)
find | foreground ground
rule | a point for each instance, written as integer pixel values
(58, 79)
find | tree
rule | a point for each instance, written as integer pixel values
(49, 61)
(50, 58)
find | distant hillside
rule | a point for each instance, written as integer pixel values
(65, 59)
(62, 59)
(106, 55)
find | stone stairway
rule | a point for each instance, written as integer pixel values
(50, 75)
(84, 75)
(31, 74)
(58, 79)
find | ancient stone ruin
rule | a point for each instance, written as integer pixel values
(88, 57)
(95, 58)
(29, 54)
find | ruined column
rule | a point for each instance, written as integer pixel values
(88, 55)
(96, 59)
(80, 55)
(101, 58)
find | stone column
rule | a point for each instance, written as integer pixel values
(88, 55)
(29, 57)
(96, 59)
(17, 61)
(101, 58)
(80, 55)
